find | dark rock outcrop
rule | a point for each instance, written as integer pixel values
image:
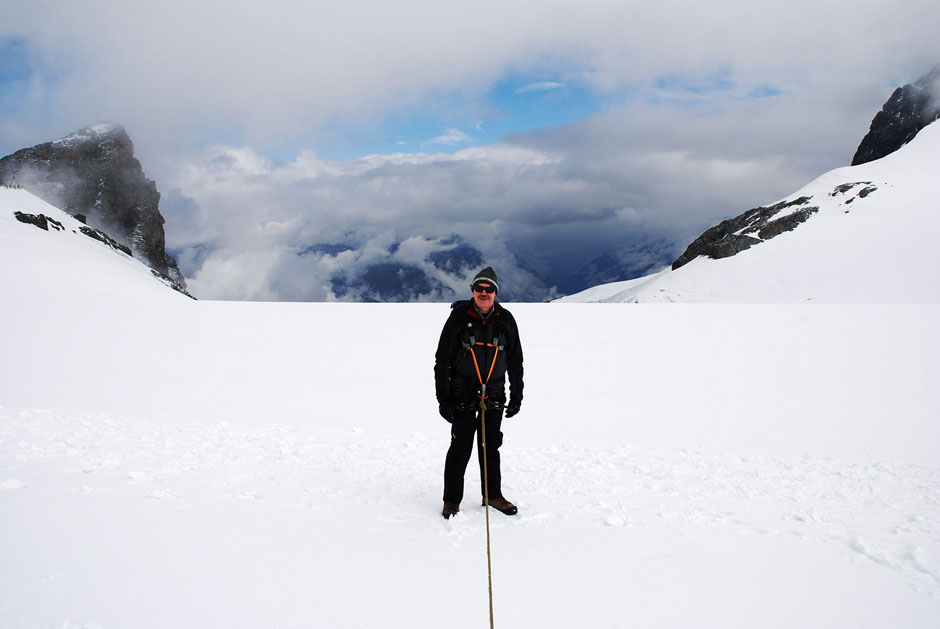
(39, 220)
(846, 188)
(100, 236)
(169, 281)
(743, 232)
(910, 109)
(93, 174)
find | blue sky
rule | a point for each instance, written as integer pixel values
(455, 121)
(449, 122)
(15, 73)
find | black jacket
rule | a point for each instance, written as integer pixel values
(495, 345)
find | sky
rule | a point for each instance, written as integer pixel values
(541, 133)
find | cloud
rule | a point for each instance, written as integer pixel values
(933, 87)
(540, 86)
(338, 219)
(539, 204)
(294, 69)
(450, 137)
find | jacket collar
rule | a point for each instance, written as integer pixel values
(473, 311)
(467, 305)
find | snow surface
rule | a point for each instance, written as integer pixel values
(95, 131)
(172, 463)
(880, 248)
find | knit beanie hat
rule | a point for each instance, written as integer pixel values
(486, 275)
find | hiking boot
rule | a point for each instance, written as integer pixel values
(450, 509)
(501, 504)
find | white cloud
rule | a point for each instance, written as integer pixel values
(383, 209)
(541, 86)
(450, 137)
(547, 201)
(174, 71)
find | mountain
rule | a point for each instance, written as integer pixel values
(43, 250)
(93, 175)
(859, 234)
(910, 109)
(438, 274)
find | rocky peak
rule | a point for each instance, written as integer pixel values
(93, 175)
(910, 109)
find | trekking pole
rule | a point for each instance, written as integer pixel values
(486, 499)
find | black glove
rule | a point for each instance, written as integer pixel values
(513, 408)
(446, 411)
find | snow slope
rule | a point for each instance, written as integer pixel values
(66, 261)
(172, 463)
(879, 248)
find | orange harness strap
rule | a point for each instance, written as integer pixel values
(477, 366)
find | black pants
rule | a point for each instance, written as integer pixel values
(466, 424)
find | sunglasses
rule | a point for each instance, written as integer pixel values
(484, 289)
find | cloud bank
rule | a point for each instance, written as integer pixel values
(539, 205)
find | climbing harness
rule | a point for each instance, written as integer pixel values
(496, 347)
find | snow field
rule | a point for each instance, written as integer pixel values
(127, 515)
(195, 464)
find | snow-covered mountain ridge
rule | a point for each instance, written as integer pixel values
(909, 109)
(93, 175)
(44, 249)
(866, 234)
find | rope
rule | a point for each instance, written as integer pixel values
(486, 499)
(486, 478)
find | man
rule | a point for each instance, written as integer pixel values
(479, 346)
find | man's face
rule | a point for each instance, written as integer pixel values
(483, 299)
